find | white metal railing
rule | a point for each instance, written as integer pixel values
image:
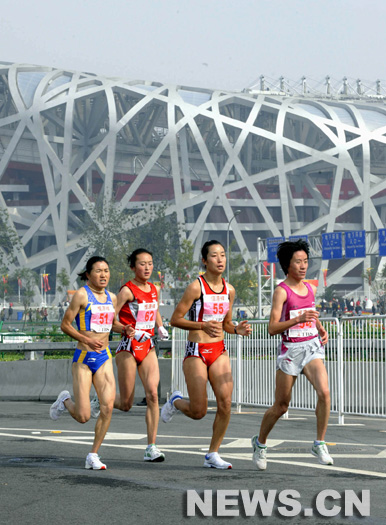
(355, 362)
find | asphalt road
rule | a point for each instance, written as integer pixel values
(43, 480)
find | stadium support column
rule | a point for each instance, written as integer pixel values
(259, 306)
(189, 216)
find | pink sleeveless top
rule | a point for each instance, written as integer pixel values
(294, 306)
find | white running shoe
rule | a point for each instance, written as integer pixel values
(95, 408)
(259, 457)
(93, 461)
(57, 408)
(168, 410)
(321, 452)
(213, 460)
(153, 453)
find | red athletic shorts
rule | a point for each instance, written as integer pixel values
(207, 352)
(137, 349)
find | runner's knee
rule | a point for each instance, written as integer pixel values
(152, 397)
(126, 405)
(224, 405)
(281, 408)
(324, 395)
(82, 417)
(198, 411)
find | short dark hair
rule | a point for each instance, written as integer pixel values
(90, 263)
(131, 259)
(286, 249)
(207, 245)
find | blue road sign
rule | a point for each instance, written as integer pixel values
(355, 244)
(272, 244)
(297, 237)
(382, 242)
(332, 246)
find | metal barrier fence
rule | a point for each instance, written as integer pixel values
(355, 362)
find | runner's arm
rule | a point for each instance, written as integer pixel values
(243, 328)
(125, 295)
(117, 325)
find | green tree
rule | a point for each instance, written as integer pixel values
(9, 243)
(243, 277)
(114, 233)
(328, 294)
(29, 280)
(181, 268)
(62, 282)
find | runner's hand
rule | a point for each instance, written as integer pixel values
(163, 334)
(243, 328)
(95, 345)
(212, 328)
(141, 336)
(128, 331)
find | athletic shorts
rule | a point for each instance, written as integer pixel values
(298, 355)
(207, 352)
(137, 349)
(93, 360)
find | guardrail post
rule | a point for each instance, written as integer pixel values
(173, 362)
(340, 373)
(239, 382)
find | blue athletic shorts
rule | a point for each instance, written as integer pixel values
(92, 359)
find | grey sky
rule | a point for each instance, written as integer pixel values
(204, 43)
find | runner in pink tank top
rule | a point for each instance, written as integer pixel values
(301, 351)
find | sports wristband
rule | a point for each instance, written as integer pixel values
(235, 331)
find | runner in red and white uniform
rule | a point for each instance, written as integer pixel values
(137, 306)
(301, 351)
(208, 300)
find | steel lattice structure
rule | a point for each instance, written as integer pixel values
(291, 164)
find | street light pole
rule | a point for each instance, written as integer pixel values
(237, 212)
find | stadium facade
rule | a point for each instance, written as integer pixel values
(253, 164)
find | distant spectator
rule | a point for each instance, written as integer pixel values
(10, 311)
(2, 317)
(373, 309)
(358, 309)
(334, 307)
(61, 311)
(45, 315)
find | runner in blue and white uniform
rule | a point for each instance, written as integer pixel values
(93, 309)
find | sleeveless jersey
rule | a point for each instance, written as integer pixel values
(210, 306)
(294, 306)
(140, 313)
(96, 317)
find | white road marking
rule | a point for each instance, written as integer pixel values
(246, 443)
(80, 438)
(346, 425)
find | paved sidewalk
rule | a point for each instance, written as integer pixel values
(43, 480)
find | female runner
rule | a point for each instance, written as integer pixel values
(137, 306)
(93, 309)
(209, 300)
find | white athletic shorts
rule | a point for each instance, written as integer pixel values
(298, 355)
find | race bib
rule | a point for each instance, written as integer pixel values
(215, 307)
(146, 316)
(307, 329)
(102, 317)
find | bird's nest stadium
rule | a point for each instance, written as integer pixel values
(277, 161)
